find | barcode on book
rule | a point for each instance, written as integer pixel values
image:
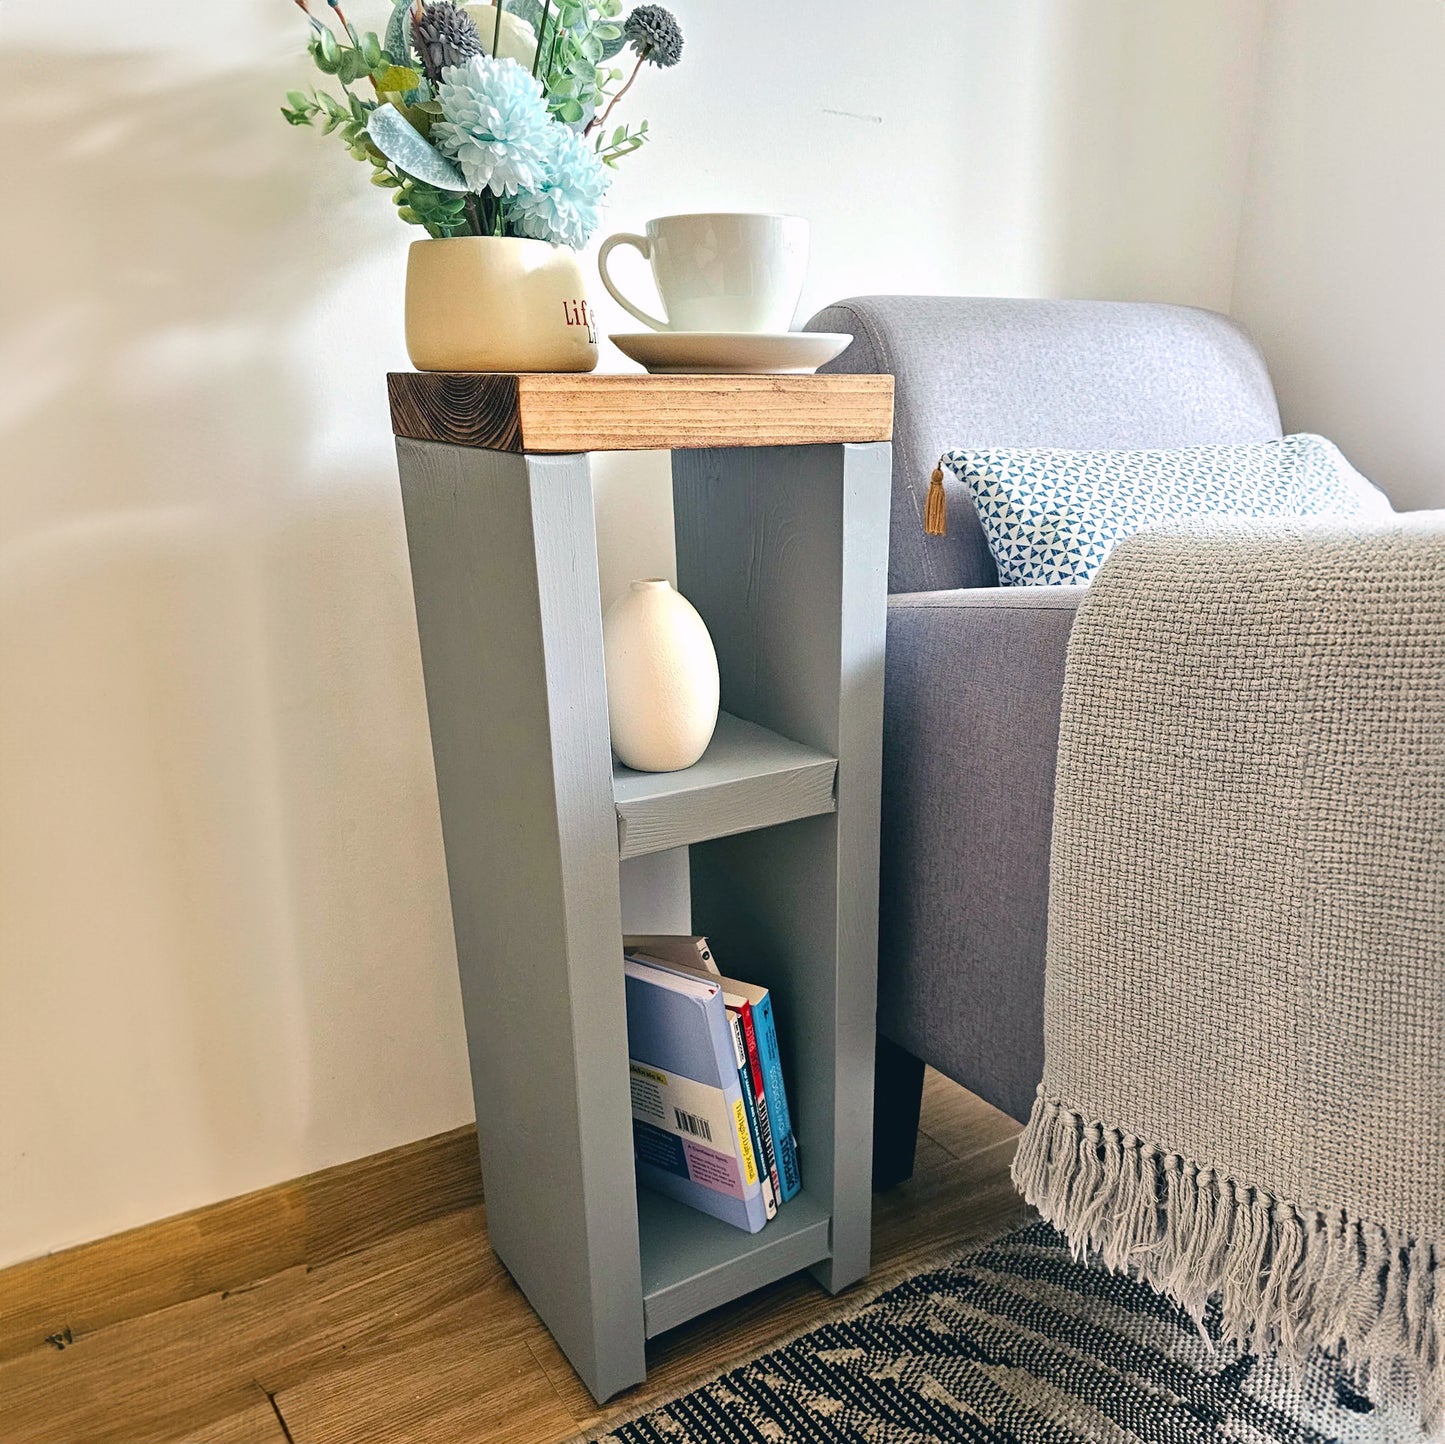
(691, 1123)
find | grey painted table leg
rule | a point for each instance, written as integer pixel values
(504, 569)
(784, 551)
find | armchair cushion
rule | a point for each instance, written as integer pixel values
(1052, 515)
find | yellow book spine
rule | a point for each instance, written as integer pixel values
(745, 1141)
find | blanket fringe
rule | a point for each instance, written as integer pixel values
(1290, 1279)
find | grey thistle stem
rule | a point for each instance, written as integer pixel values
(541, 36)
(497, 31)
(598, 121)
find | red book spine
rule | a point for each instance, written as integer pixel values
(760, 1101)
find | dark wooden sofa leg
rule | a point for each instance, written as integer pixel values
(897, 1102)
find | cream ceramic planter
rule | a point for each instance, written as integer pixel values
(497, 303)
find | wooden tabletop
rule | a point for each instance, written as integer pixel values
(564, 412)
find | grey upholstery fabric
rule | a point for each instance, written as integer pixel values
(970, 727)
(992, 372)
(974, 676)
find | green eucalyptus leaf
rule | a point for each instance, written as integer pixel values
(571, 111)
(326, 43)
(407, 149)
(371, 49)
(298, 99)
(353, 67)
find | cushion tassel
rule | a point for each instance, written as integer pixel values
(935, 513)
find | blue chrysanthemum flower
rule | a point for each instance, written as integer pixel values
(567, 207)
(496, 125)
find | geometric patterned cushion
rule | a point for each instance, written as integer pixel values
(1052, 515)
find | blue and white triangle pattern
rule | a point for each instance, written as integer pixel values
(1052, 516)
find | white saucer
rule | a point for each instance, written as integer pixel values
(731, 353)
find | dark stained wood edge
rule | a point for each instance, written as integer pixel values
(304, 1221)
(459, 407)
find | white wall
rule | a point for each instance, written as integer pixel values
(1341, 271)
(225, 951)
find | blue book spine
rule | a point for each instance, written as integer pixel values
(784, 1145)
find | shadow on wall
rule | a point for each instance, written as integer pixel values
(224, 895)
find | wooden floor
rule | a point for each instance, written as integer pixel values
(420, 1336)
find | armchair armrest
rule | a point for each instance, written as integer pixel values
(970, 730)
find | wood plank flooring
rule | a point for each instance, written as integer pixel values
(418, 1335)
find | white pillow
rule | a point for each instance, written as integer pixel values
(1052, 515)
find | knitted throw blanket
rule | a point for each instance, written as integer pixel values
(1244, 1086)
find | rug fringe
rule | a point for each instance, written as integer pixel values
(1290, 1279)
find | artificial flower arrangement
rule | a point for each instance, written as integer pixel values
(487, 120)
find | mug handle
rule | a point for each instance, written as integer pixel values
(641, 242)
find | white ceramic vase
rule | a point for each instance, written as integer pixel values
(662, 681)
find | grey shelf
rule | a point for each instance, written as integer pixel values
(769, 846)
(692, 1262)
(749, 777)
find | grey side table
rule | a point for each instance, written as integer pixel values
(769, 844)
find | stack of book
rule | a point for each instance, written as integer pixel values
(710, 1120)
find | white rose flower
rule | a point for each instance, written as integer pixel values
(518, 40)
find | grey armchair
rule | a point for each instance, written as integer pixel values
(974, 670)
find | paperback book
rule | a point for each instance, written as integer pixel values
(690, 1124)
(752, 1005)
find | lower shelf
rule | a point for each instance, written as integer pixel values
(692, 1263)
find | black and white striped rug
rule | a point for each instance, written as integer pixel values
(1015, 1343)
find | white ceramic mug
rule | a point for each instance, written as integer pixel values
(719, 272)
